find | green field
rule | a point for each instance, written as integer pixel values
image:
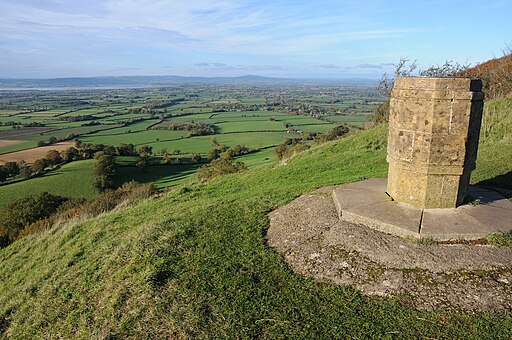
(71, 180)
(194, 263)
(239, 116)
(161, 175)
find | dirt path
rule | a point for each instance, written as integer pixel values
(316, 243)
(30, 155)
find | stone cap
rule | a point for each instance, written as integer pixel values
(438, 84)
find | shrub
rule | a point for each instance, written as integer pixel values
(333, 134)
(219, 167)
(284, 151)
(76, 208)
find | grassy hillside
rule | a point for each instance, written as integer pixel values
(194, 263)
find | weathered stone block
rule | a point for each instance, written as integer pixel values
(434, 127)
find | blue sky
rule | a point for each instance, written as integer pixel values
(301, 39)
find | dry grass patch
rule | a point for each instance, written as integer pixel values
(9, 142)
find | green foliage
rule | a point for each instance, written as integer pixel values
(39, 166)
(104, 170)
(20, 213)
(126, 149)
(218, 167)
(196, 158)
(145, 151)
(335, 133)
(53, 156)
(11, 168)
(194, 128)
(286, 151)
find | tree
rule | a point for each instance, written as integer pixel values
(110, 150)
(39, 166)
(70, 154)
(52, 140)
(145, 151)
(214, 154)
(53, 156)
(403, 69)
(12, 169)
(218, 167)
(22, 212)
(167, 158)
(126, 150)
(196, 158)
(25, 170)
(3, 174)
(104, 171)
(142, 163)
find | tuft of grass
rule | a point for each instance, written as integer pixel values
(195, 263)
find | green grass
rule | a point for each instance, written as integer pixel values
(162, 175)
(260, 158)
(249, 125)
(18, 147)
(71, 180)
(137, 138)
(357, 120)
(194, 263)
(497, 121)
(318, 127)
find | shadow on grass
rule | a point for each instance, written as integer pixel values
(500, 183)
(164, 174)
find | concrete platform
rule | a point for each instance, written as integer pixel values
(367, 203)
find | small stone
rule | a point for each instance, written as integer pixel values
(314, 256)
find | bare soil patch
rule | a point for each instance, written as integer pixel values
(316, 243)
(7, 142)
(30, 155)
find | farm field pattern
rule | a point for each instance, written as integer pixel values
(257, 116)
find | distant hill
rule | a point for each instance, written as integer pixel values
(496, 75)
(148, 81)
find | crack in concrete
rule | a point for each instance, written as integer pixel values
(421, 221)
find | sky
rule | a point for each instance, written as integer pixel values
(292, 39)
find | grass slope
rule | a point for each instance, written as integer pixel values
(194, 263)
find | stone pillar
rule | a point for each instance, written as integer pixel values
(434, 128)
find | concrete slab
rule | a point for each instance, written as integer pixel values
(316, 243)
(376, 210)
(367, 203)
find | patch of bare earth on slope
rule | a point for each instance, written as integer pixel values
(314, 242)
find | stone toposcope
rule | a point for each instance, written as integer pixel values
(434, 127)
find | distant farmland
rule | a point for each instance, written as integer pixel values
(258, 117)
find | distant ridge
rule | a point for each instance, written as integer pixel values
(151, 81)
